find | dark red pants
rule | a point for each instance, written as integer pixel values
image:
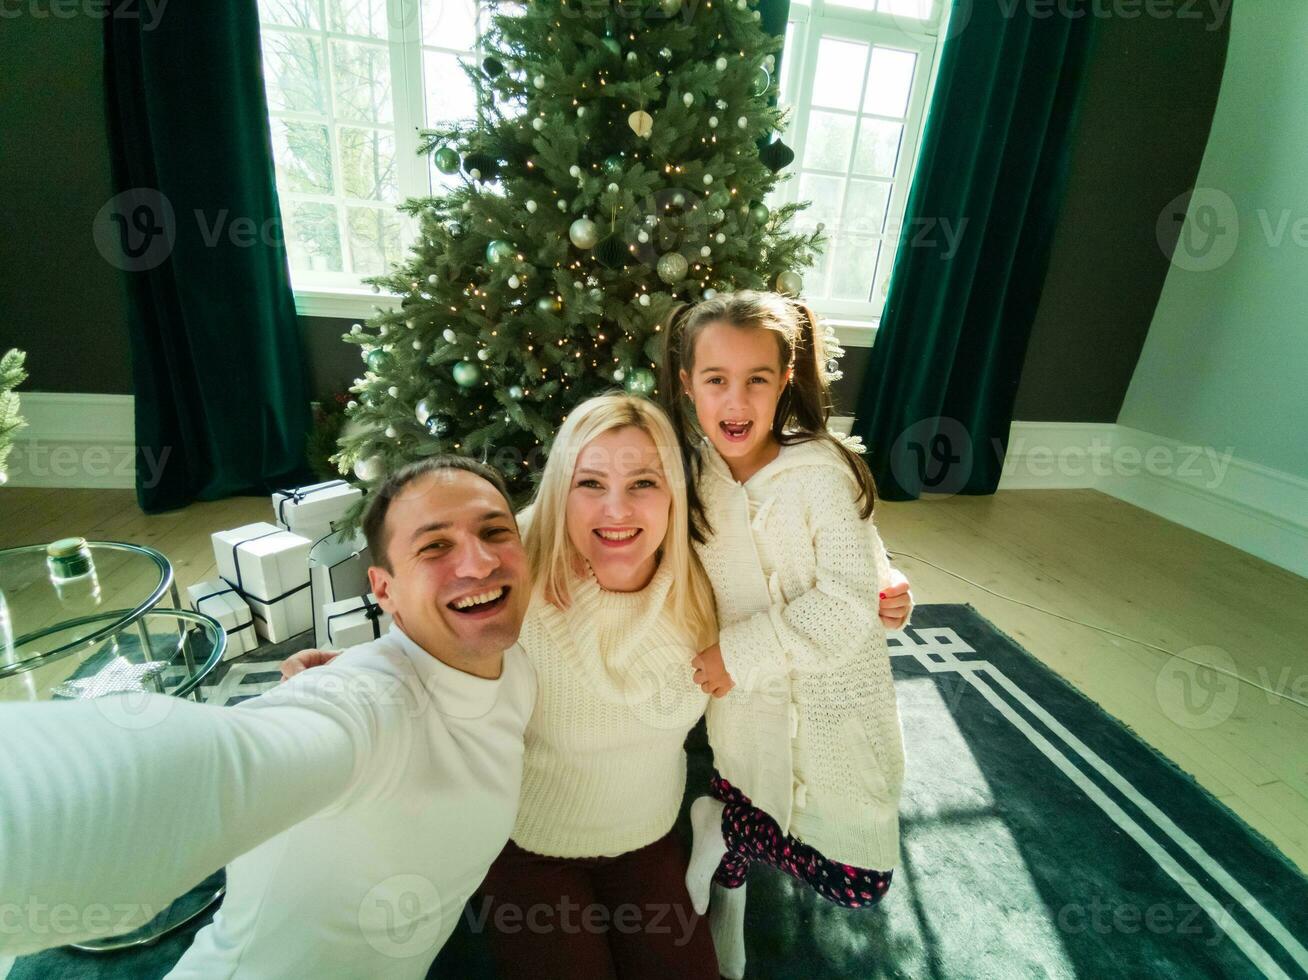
(621, 917)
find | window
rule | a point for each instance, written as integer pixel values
(350, 83)
(857, 73)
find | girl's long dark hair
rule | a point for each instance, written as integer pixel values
(805, 404)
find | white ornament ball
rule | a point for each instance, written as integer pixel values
(351, 404)
(539, 81)
(742, 122)
(710, 292)
(619, 374)
(483, 354)
(631, 57)
(417, 345)
(538, 124)
(531, 207)
(514, 282)
(720, 238)
(756, 15)
(613, 188)
(356, 328)
(644, 299)
(706, 251)
(678, 199)
(720, 64)
(575, 170)
(563, 205)
(713, 120)
(390, 432)
(584, 233)
(581, 112)
(642, 236)
(708, 178)
(688, 99)
(770, 62)
(393, 391)
(368, 469)
(449, 335)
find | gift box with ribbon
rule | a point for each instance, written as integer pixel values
(220, 601)
(354, 621)
(269, 568)
(310, 511)
(338, 570)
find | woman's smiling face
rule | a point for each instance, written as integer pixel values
(619, 505)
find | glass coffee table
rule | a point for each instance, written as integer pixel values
(103, 633)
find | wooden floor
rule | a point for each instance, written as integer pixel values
(1082, 554)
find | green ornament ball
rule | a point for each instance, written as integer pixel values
(669, 7)
(447, 161)
(790, 283)
(438, 425)
(515, 392)
(762, 81)
(672, 267)
(640, 382)
(378, 361)
(498, 251)
(612, 166)
(466, 374)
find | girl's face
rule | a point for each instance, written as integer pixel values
(619, 505)
(736, 383)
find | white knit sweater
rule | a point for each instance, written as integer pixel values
(811, 731)
(605, 767)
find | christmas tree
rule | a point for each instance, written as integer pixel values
(618, 167)
(12, 375)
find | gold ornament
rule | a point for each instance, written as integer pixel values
(641, 123)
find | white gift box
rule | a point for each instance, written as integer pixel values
(269, 568)
(310, 510)
(356, 620)
(220, 601)
(338, 570)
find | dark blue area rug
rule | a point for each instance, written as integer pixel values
(1041, 838)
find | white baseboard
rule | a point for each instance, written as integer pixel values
(1205, 488)
(75, 440)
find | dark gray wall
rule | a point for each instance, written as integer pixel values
(1149, 102)
(59, 300)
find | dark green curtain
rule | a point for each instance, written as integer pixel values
(937, 401)
(222, 400)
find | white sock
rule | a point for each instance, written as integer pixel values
(727, 927)
(707, 851)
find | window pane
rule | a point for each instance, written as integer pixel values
(374, 239)
(450, 94)
(303, 156)
(313, 238)
(853, 263)
(865, 208)
(787, 57)
(825, 193)
(856, 4)
(361, 75)
(878, 148)
(889, 82)
(292, 13)
(293, 69)
(364, 17)
(368, 164)
(919, 9)
(449, 23)
(839, 73)
(828, 141)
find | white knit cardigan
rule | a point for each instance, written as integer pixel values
(811, 731)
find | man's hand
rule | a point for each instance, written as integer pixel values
(896, 601)
(711, 673)
(305, 659)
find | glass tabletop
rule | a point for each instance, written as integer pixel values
(162, 651)
(42, 615)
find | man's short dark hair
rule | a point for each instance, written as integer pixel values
(374, 517)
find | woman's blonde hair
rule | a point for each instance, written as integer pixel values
(551, 553)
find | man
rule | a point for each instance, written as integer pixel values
(356, 807)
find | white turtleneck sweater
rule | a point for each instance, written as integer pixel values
(605, 764)
(356, 808)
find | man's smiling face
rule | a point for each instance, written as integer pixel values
(457, 581)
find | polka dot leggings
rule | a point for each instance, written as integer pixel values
(752, 835)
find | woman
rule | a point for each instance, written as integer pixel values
(592, 882)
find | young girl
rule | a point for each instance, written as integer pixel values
(804, 725)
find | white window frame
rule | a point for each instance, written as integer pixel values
(856, 322)
(343, 294)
